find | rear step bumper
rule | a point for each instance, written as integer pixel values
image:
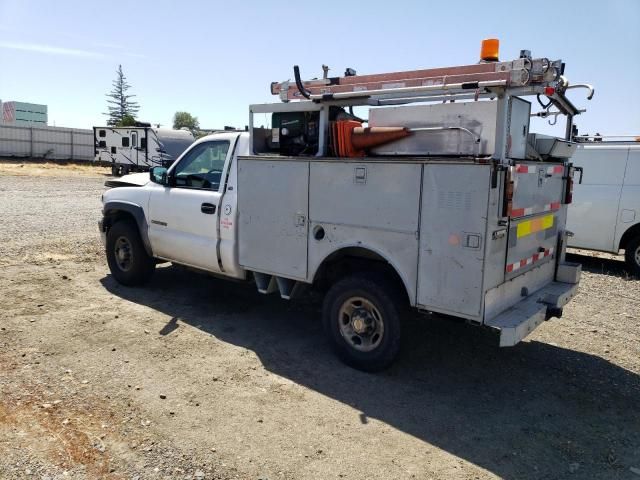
(520, 320)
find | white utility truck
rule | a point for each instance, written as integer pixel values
(605, 213)
(447, 207)
(138, 148)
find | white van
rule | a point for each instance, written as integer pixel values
(605, 213)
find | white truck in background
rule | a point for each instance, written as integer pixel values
(140, 147)
(605, 213)
(441, 207)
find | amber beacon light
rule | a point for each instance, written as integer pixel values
(490, 49)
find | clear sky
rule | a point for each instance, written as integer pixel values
(213, 59)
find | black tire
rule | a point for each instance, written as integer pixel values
(128, 260)
(114, 170)
(632, 255)
(339, 325)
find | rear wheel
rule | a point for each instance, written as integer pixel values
(361, 316)
(127, 258)
(632, 255)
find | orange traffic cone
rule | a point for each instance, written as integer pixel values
(364, 138)
(351, 139)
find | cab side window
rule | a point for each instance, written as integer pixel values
(202, 167)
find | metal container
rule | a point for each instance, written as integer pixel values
(465, 128)
(552, 147)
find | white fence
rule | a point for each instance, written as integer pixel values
(55, 143)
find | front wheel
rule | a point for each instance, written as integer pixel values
(632, 255)
(127, 258)
(362, 316)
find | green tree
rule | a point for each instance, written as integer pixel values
(119, 103)
(185, 119)
(126, 121)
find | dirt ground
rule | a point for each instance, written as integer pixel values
(196, 378)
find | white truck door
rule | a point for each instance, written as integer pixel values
(629, 212)
(183, 217)
(592, 214)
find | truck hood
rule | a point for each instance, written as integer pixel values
(131, 180)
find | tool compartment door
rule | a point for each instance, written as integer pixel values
(272, 216)
(453, 223)
(534, 217)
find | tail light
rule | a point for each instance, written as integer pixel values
(509, 187)
(568, 196)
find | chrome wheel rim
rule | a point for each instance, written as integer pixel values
(123, 253)
(361, 324)
(636, 256)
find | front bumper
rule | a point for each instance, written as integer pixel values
(524, 317)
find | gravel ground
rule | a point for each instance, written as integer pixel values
(193, 377)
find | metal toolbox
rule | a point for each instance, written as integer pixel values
(464, 128)
(548, 146)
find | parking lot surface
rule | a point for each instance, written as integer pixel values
(195, 377)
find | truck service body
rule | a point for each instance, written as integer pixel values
(458, 216)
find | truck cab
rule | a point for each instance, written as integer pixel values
(187, 213)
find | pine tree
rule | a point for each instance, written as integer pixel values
(119, 103)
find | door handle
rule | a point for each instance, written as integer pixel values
(208, 208)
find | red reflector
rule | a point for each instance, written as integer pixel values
(508, 197)
(548, 91)
(569, 196)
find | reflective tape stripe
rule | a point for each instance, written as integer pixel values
(520, 168)
(552, 170)
(523, 212)
(534, 225)
(512, 267)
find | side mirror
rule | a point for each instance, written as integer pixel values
(158, 175)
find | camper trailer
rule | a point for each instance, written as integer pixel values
(136, 149)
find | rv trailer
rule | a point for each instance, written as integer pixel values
(136, 149)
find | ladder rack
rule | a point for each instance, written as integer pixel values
(517, 73)
(488, 79)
